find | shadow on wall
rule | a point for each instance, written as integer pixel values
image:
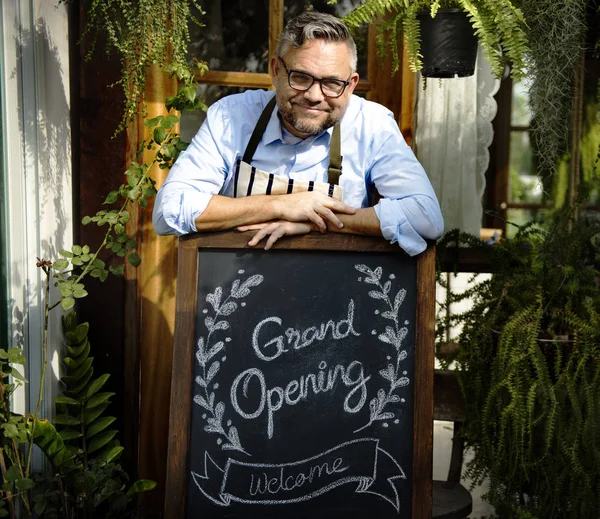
(45, 206)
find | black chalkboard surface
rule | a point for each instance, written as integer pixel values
(301, 386)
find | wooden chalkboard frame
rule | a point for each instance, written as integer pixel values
(190, 247)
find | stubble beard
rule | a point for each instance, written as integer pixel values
(305, 125)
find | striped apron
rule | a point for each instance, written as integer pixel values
(252, 181)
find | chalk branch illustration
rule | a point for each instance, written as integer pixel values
(393, 335)
(356, 461)
(205, 354)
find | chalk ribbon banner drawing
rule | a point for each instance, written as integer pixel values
(302, 379)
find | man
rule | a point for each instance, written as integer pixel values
(313, 158)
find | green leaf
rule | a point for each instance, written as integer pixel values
(15, 356)
(159, 135)
(101, 440)
(65, 253)
(61, 264)
(112, 197)
(103, 275)
(77, 261)
(15, 374)
(76, 351)
(98, 399)
(85, 249)
(65, 288)
(134, 193)
(76, 250)
(151, 123)
(117, 270)
(12, 474)
(10, 430)
(86, 220)
(141, 485)
(134, 259)
(98, 263)
(169, 121)
(89, 415)
(68, 435)
(75, 390)
(63, 419)
(67, 303)
(112, 453)
(96, 385)
(79, 293)
(119, 229)
(143, 202)
(99, 425)
(61, 399)
(24, 484)
(125, 217)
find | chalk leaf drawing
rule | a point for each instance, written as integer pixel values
(394, 335)
(206, 352)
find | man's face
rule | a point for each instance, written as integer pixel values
(310, 112)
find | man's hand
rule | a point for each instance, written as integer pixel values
(314, 207)
(276, 230)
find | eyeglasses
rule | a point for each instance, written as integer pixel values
(302, 81)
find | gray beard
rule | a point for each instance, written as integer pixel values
(306, 127)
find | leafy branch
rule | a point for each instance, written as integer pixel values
(80, 410)
(393, 335)
(206, 352)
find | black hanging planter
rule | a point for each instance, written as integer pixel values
(448, 44)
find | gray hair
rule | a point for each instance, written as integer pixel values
(311, 26)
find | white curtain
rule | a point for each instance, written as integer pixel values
(453, 131)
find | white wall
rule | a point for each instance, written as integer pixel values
(37, 170)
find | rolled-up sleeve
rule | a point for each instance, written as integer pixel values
(198, 173)
(409, 212)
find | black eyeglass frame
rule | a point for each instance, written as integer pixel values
(320, 81)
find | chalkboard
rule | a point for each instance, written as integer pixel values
(296, 380)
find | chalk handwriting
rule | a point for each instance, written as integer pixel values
(356, 461)
(271, 348)
(271, 400)
(287, 482)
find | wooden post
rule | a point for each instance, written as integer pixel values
(156, 282)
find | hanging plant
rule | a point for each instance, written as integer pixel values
(499, 25)
(143, 33)
(556, 37)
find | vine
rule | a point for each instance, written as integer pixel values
(143, 33)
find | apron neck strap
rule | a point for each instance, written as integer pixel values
(335, 157)
(259, 129)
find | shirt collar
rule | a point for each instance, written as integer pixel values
(274, 130)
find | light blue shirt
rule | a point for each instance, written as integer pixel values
(373, 151)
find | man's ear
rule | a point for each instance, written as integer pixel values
(274, 69)
(353, 82)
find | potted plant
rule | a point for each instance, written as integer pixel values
(528, 360)
(499, 26)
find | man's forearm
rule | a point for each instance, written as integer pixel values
(223, 212)
(309, 206)
(364, 222)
